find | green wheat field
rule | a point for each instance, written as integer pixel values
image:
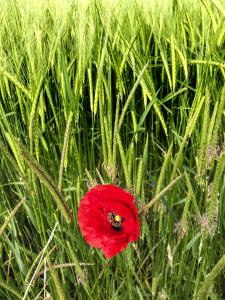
(126, 92)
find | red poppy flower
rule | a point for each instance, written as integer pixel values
(108, 219)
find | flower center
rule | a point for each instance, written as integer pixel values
(115, 220)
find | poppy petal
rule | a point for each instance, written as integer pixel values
(102, 231)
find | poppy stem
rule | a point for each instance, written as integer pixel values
(108, 261)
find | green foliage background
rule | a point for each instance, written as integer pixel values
(123, 92)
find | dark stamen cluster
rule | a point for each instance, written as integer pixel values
(116, 221)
